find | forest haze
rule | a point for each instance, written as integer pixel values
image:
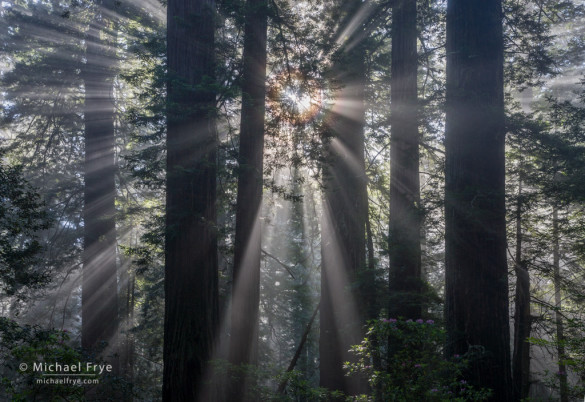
(278, 200)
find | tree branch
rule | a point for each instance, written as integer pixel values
(288, 268)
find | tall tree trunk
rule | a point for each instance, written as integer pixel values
(372, 292)
(405, 215)
(99, 310)
(344, 216)
(564, 391)
(246, 284)
(522, 318)
(476, 304)
(299, 254)
(126, 302)
(191, 278)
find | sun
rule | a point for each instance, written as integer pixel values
(301, 100)
(294, 98)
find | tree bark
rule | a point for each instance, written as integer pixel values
(344, 216)
(126, 313)
(564, 386)
(99, 310)
(191, 278)
(522, 318)
(476, 305)
(372, 292)
(246, 284)
(405, 215)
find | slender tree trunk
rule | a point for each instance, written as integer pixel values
(126, 302)
(191, 278)
(405, 214)
(564, 386)
(299, 254)
(130, 342)
(371, 293)
(99, 310)
(343, 224)
(246, 284)
(522, 318)
(476, 305)
(297, 354)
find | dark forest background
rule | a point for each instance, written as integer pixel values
(249, 200)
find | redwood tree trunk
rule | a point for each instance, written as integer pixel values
(405, 214)
(246, 284)
(191, 279)
(564, 386)
(99, 309)
(126, 313)
(522, 319)
(476, 268)
(344, 222)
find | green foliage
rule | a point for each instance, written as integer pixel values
(22, 214)
(404, 361)
(299, 388)
(23, 346)
(261, 384)
(26, 345)
(41, 118)
(574, 361)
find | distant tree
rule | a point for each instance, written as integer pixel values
(476, 293)
(42, 116)
(191, 278)
(560, 330)
(405, 211)
(99, 309)
(522, 317)
(246, 272)
(22, 215)
(545, 153)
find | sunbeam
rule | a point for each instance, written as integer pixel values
(348, 158)
(237, 320)
(340, 326)
(355, 23)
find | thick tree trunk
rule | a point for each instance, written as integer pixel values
(343, 225)
(564, 386)
(331, 353)
(405, 214)
(246, 284)
(191, 279)
(99, 310)
(522, 318)
(476, 268)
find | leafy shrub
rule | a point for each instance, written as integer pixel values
(404, 361)
(26, 345)
(21, 346)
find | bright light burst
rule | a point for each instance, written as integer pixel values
(301, 100)
(294, 98)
